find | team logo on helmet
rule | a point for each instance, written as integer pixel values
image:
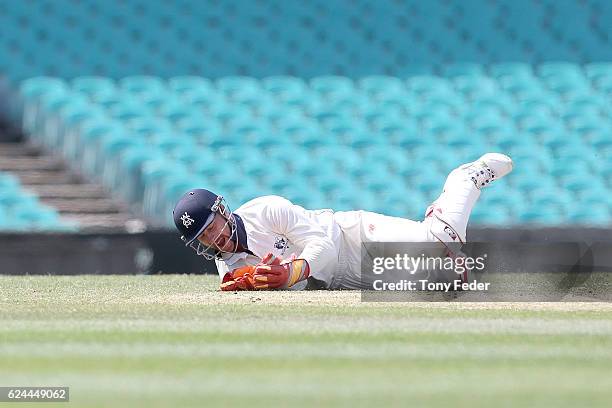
(187, 220)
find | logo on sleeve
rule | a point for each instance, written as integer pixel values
(187, 220)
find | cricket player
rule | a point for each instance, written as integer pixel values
(271, 243)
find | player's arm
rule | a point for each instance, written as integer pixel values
(317, 256)
(270, 273)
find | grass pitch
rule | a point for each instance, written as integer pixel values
(152, 341)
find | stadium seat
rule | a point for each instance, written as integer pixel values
(44, 218)
(175, 110)
(596, 70)
(112, 147)
(93, 85)
(45, 123)
(490, 215)
(511, 69)
(502, 102)
(224, 113)
(577, 184)
(537, 216)
(108, 100)
(462, 70)
(154, 174)
(429, 84)
(141, 84)
(559, 70)
(474, 86)
(37, 86)
(378, 85)
(203, 101)
(149, 128)
(72, 119)
(8, 182)
(284, 86)
(332, 87)
(131, 163)
(92, 132)
(595, 215)
(181, 85)
(231, 85)
(275, 112)
(33, 92)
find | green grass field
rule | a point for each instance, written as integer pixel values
(152, 341)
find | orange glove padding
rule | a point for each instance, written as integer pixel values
(243, 278)
(238, 279)
(283, 276)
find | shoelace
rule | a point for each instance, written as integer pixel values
(481, 175)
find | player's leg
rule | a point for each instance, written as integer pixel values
(375, 232)
(451, 211)
(446, 219)
(360, 227)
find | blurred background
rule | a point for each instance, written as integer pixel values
(112, 110)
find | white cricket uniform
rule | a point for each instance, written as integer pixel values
(330, 241)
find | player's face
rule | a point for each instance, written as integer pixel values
(217, 235)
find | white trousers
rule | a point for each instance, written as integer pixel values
(452, 207)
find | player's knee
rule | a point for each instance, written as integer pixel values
(441, 231)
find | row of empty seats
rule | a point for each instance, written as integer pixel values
(151, 139)
(303, 38)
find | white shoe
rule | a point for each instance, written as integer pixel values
(489, 167)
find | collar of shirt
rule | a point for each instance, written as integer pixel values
(240, 233)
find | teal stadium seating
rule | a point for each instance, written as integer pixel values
(21, 211)
(305, 39)
(344, 104)
(339, 148)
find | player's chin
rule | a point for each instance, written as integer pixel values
(226, 245)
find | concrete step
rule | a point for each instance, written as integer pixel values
(107, 221)
(18, 149)
(76, 199)
(21, 163)
(46, 177)
(85, 205)
(68, 191)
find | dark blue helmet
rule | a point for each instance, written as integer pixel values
(194, 211)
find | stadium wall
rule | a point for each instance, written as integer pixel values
(105, 253)
(155, 252)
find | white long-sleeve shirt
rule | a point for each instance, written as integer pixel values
(330, 241)
(274, 225)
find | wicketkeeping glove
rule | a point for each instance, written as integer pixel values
(243, 278)
(280, 276)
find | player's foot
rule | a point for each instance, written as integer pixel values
(488, 168)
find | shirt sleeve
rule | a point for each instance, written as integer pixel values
(222, 267)
(292, 221)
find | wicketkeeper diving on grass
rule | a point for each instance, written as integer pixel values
(270, 243)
